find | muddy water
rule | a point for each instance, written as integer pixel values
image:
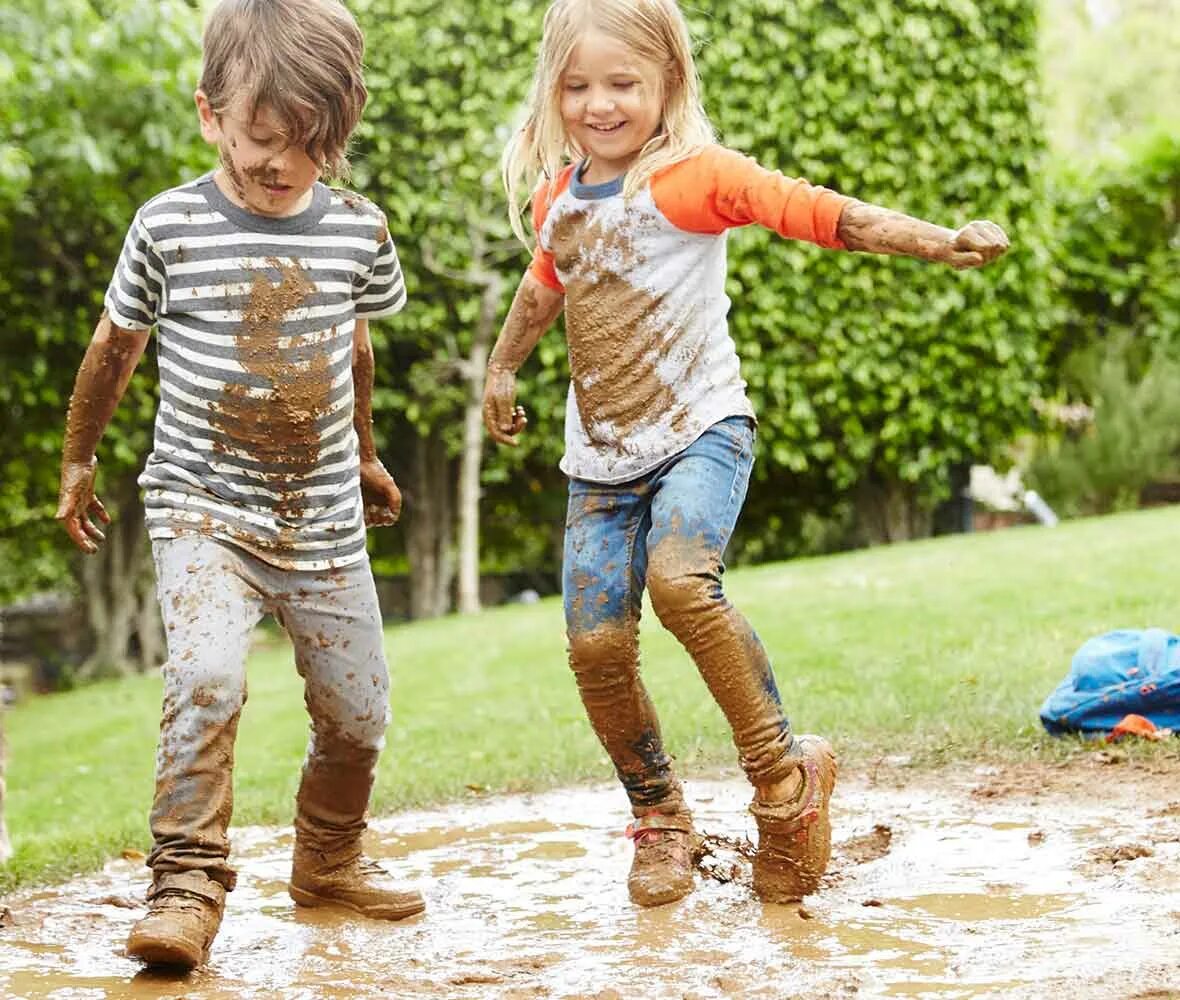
(944, 892)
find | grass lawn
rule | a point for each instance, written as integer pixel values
(942, 650)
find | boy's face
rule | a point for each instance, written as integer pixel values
(260, 171)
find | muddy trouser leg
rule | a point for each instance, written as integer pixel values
(335, 625)
(696, 502)
(210, 604)
(603, 576)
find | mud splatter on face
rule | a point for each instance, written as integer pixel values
(231, 171)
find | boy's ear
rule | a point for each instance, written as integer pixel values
(210, 128)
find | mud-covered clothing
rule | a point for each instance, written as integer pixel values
(212, 594)
(254, 439)
(652, 364)
(667, 531)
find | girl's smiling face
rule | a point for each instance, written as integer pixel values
(612, 103)
(260, 170)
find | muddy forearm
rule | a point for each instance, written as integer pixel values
(534, 308)
(362, 386)
(101, 381)
(882, 230)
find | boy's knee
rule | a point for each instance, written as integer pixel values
(210, 690)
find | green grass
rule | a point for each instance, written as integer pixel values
(942, 650)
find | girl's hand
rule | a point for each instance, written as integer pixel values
(976, 244)
(381, 497)
(77, 503)
(501, 416)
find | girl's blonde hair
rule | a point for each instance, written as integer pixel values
(652, 29)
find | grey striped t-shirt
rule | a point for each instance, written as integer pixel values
(254, 440)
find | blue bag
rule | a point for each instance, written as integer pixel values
(1122, 672)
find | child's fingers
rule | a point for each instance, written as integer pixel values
(92, 530)
(96, 507)
(73, 526)
(961, 261)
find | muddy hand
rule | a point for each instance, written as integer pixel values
(976, 244)
(501, 416)
(77, 504)
(382, 499)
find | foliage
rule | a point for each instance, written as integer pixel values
(1117, 313)
(1133, 439)
(925, 649)
(1110, 69)
(870, 369)
(1117, 247)
(97, 118)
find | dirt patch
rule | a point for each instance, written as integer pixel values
(934, 891)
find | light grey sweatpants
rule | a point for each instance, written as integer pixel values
(212, 594)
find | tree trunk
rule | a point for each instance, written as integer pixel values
(888, 511)
(430, 528)
(471, 459)
(115, 583)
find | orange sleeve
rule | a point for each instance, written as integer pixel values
(542, 268)
(719, 188)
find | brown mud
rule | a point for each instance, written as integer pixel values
(1036, 881)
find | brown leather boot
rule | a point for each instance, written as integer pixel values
(795, 838)
(184, 913)
(356, 884)
(661, 871)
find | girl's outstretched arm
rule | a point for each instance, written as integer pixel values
(881, 230)
(534, 308)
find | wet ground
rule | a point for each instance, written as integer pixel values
(1037, 882)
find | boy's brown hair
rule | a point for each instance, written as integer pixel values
(301, 59)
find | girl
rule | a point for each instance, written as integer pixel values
(630, 221)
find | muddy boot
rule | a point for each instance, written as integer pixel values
(795, 838)
(184, 912)
(356, 884)
(662, 869)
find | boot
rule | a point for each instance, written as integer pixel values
(795, 838)
(662, 869)
(356, 883)
(184, 913)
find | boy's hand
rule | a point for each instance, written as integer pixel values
(976, 244)
(501, 416)
(380, 495)
(77, 503)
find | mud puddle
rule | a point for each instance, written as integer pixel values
(957, 887)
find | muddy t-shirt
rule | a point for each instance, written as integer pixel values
(254, 440)
(652, 365)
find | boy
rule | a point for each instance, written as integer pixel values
(260, 281)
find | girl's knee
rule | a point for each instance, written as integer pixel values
(604, 657)
(679, 595)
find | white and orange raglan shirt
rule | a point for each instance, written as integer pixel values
(652, 364)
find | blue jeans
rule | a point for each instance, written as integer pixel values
(668, 531)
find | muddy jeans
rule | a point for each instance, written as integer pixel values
(212, 594)
(668, 530)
